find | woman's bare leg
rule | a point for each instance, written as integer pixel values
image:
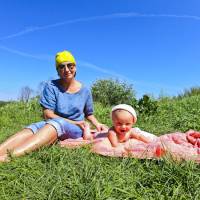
(15, 141)
(45, 136)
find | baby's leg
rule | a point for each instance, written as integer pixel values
(87, 132)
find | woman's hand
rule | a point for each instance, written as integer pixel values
(81, 124)
(101, 127)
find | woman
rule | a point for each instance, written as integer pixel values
(66, 102)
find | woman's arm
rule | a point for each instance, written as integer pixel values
(49, 114)
(112, 137)
(94, 121)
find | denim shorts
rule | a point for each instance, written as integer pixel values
(64, 129)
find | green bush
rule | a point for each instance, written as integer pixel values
(173, 115)
(112, 92)
(147, 105)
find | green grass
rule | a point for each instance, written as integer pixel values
(58, 173)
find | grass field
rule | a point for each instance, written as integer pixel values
(58, 173)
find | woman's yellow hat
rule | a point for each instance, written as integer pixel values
(64, 56)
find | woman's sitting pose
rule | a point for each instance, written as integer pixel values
(66, 104)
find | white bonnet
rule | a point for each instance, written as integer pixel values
(126, 107)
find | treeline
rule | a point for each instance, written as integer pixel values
(2, 103)
(111, 92)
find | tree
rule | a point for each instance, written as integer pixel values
(40, 88)
(25, 94)
(112, 92)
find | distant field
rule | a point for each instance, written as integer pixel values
(56, 173)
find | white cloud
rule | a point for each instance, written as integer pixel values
(94, 67)
(21, 53)
(94, 18)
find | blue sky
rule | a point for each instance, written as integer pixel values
(152, 44)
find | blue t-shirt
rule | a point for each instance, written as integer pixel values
(73, 106)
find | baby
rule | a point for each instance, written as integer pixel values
(123, 118)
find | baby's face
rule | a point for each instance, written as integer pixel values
(122, 121)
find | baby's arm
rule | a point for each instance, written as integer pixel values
(142, 135)
(138, 137)
(112, 137)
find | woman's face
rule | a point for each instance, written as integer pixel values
(66, 70)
